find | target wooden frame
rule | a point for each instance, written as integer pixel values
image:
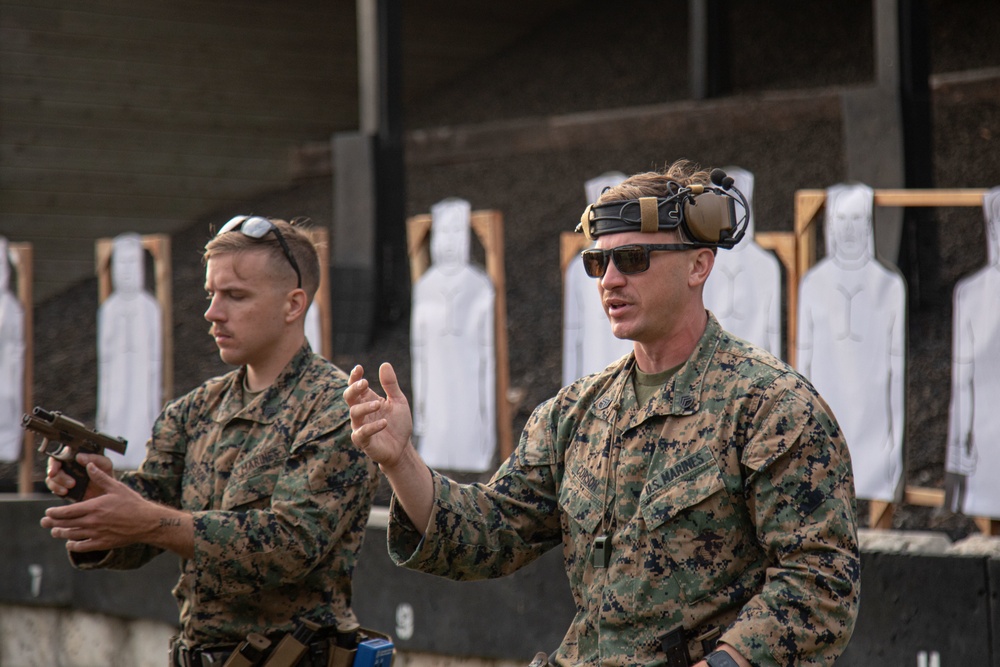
(158, 246)
(488, 228)
(808, 205)
(22, 256)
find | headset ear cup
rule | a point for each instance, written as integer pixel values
(709, 218)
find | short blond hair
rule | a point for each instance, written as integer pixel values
(300, 245)
(657, 183)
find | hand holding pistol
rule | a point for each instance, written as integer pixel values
(63, 438)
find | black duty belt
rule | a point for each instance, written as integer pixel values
(182, 656)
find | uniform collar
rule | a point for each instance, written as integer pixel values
(683, 392)
(265, 407)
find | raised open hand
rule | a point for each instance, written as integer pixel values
(381, 427)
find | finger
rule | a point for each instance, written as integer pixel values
(53, 467)
(359, 411)
(58, 528)
(67, 512)
(387, 376)
(64, 479)
(356, 391)
(361, 435)
(56, 487)
(356, 374)
(69, 533)
(101, 461)
(98, 477)
(57, 479)
(83, 546)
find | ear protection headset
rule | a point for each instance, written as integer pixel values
(705, 214)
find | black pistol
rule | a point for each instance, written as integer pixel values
(63, 438)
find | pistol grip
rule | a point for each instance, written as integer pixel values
(78, 473)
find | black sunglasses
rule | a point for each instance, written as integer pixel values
(257, 227)
(628, 259)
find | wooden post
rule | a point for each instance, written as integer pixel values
(571, 244)
(808, 204)
(24, 268)
(987, 526)
(488, 226)
(784, 246)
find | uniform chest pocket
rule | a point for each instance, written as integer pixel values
(581, 500)
(680, 487)
(252, 481)
(688, 511)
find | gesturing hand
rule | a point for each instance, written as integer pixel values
(381, 427)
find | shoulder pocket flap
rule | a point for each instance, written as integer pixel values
(780, 430)
(682, 485)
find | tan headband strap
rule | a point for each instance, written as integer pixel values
(650, 220)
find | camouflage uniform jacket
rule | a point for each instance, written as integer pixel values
(728, 500)
(280, 498)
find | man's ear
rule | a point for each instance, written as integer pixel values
(702, 262)
(296, 305)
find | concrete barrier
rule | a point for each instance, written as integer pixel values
(924, 601)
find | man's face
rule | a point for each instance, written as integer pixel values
(247, 306)
(644, 306)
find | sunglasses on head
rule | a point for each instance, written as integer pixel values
(628, 259)
(257, 227)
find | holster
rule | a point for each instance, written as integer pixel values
(682, 648)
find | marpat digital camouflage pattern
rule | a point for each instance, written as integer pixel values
(728, 500)
(280, 498)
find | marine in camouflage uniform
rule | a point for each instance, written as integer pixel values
(280, 499)
(251, 478)
(727, 498)
(715, 513)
